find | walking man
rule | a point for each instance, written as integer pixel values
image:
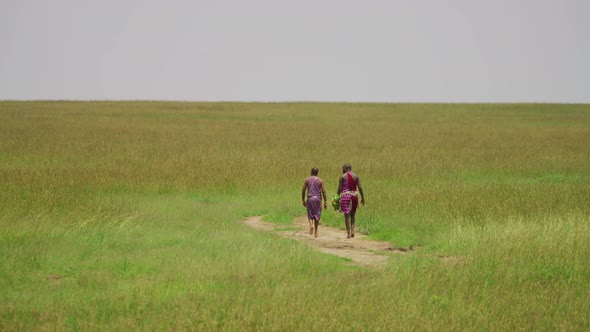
(347, 189)
(315, 190)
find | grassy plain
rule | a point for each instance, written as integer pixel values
(125, 215)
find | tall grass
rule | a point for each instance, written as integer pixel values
(124, 215)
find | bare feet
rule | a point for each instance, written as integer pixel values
(351, 234)
(311, 231)
(316, 235)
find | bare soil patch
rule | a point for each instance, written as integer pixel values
(360, 250)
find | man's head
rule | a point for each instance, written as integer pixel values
(346, 167)
(315, 171)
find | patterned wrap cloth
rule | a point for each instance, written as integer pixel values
(348, 198)
(314, 198)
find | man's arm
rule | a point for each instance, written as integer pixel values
(303, 193)
(323, 188)
(358, 183)
(340, 184)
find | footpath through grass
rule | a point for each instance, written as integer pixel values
(125, 215)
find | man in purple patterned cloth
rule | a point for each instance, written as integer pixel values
(347, 185)
(315, 189)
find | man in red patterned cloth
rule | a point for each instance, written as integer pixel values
(347, 189)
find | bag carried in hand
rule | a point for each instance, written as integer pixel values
(336, 202)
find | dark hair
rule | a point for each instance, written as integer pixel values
(315, 171)
(347, 167)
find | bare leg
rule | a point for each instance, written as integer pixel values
(347, 223)
(352, 220)
(317, 223)
(310, 226)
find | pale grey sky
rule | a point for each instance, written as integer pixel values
(273, 50)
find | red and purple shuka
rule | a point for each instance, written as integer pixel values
(348, 197)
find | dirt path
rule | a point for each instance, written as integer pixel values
(330, 240)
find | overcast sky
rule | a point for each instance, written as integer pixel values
(304, 50)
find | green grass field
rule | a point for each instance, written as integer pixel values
(125, 216)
